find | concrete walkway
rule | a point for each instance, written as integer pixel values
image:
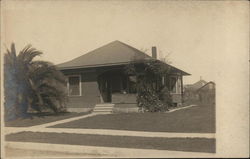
(65, 120)
(104, 151)
(116, 132)
(10, 130)
(185, 107)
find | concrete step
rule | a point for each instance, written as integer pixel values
(103, 111)
(104, 108)
(104, 105)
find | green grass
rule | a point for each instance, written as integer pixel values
(41, 118)
(177, 144)
(199, 119)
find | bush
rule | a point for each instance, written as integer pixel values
(149, 101)
(148, 73)
(165, 97)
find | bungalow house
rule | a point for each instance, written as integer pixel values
(96, 80)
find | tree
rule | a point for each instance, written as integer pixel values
(31, 84)
(148, 74)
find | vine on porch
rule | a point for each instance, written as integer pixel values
(152, 96)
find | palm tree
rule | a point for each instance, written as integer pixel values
(31, 84)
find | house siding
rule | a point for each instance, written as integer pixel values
(118, 98)
(90, 95)
(124, 103)
(206, 94)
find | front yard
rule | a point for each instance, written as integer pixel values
(197, 119)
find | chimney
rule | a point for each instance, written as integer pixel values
(154, 52)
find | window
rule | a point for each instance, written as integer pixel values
(175, 84)
(173, 81)
(74, 85)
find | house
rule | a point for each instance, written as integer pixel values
(190, 91)
(196, 85)
(97, 78)
(207, 93)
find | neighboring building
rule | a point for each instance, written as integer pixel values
(207, 93)
(190, 91)
(196, 85)
(99, 77)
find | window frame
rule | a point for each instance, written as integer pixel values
(80, 85)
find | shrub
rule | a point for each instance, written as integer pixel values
(149, 98)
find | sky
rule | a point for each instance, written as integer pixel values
(193, 35)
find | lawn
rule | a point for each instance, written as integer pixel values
(198, 119)
(177, 144)
(41, 118)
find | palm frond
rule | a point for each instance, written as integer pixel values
(28, 54)
(44, 70)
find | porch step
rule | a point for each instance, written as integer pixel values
(104, 104)
(103, 108)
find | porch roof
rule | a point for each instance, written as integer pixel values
(114, 53)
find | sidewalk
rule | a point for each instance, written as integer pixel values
(104, 151)
(116, 132)
(185, 107)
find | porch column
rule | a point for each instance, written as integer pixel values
(182, 100)
(127, 89)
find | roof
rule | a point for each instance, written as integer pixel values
(114, 53)
(199, 84)
(196, 85)
(211, 82)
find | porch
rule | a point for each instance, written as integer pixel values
(120, 89)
